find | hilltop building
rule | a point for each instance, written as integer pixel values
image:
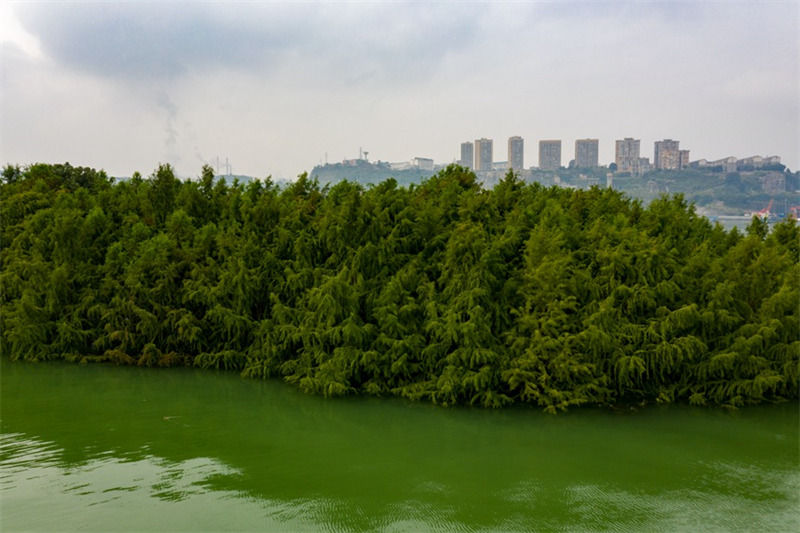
(419, 163)
(731, 164)
(586, 153)
(726, 164)
(467, 155)
(483, 155)
(626, 155)
(669, 156)
(549, 155)
(423, 163)
(516, 147)
(757, 162)
(666, 156)
(628, 158)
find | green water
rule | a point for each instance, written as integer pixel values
(106, 448)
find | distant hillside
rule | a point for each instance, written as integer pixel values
(366, 173)
(719, 193)
(712, 191)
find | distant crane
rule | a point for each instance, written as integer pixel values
(764, 213)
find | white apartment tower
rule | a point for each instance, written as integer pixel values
(483, 155)
(549, 155)
(467, 155)
(516, 157)
(667, 155)
(626, 153)
(586, 153)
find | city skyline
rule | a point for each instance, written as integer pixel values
(667, 155)
(277, 88)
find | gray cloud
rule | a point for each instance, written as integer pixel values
(161, 41)
(156, 40)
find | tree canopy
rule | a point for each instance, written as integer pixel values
(443, 291)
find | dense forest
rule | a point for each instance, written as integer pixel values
(442, 291)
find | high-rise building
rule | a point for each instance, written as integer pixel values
(627, 155)
(516, 157)
(667, 155)
(467, 155)
(423, 163)
(586, 155)
(483, 155)
(549, 155)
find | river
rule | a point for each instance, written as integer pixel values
(104, 448)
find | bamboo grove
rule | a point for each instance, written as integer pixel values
(443, 291)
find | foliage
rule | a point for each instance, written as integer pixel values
(443, 291)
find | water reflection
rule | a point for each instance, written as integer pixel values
(134, 449)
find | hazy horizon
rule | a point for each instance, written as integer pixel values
(277, 87)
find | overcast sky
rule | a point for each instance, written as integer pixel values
(275, 87)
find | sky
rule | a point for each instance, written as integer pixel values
(276, 88)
